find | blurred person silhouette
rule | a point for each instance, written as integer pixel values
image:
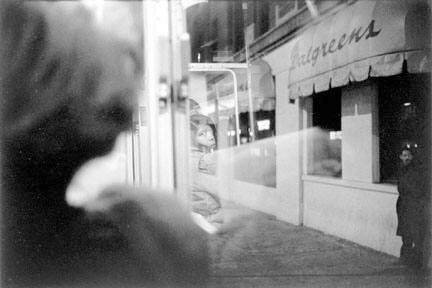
(68, 89)
(412, 206)
(205, 202)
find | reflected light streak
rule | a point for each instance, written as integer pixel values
(237, 168)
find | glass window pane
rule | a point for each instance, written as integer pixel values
(326, 137)
(403, 119)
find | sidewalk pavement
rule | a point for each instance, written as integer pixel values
(261, 251)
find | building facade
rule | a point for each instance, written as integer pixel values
(352, 85)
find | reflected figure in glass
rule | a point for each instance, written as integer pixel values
(203, 161)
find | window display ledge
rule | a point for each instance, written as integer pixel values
(375, 187)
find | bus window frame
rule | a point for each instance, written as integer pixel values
(224, 67)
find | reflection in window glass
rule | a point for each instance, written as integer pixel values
(259, 166)
(326, 139)
(403, 119)
(213, 96)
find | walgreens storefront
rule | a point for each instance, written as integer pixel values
(351, 88)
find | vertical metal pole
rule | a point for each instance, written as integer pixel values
(237, 120)
(133, 155)
(139, 152)
(249, 75)
(151, 88)
(174, 97)
(217, 105)
(179, 45)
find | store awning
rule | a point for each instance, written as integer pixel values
(364, 39)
